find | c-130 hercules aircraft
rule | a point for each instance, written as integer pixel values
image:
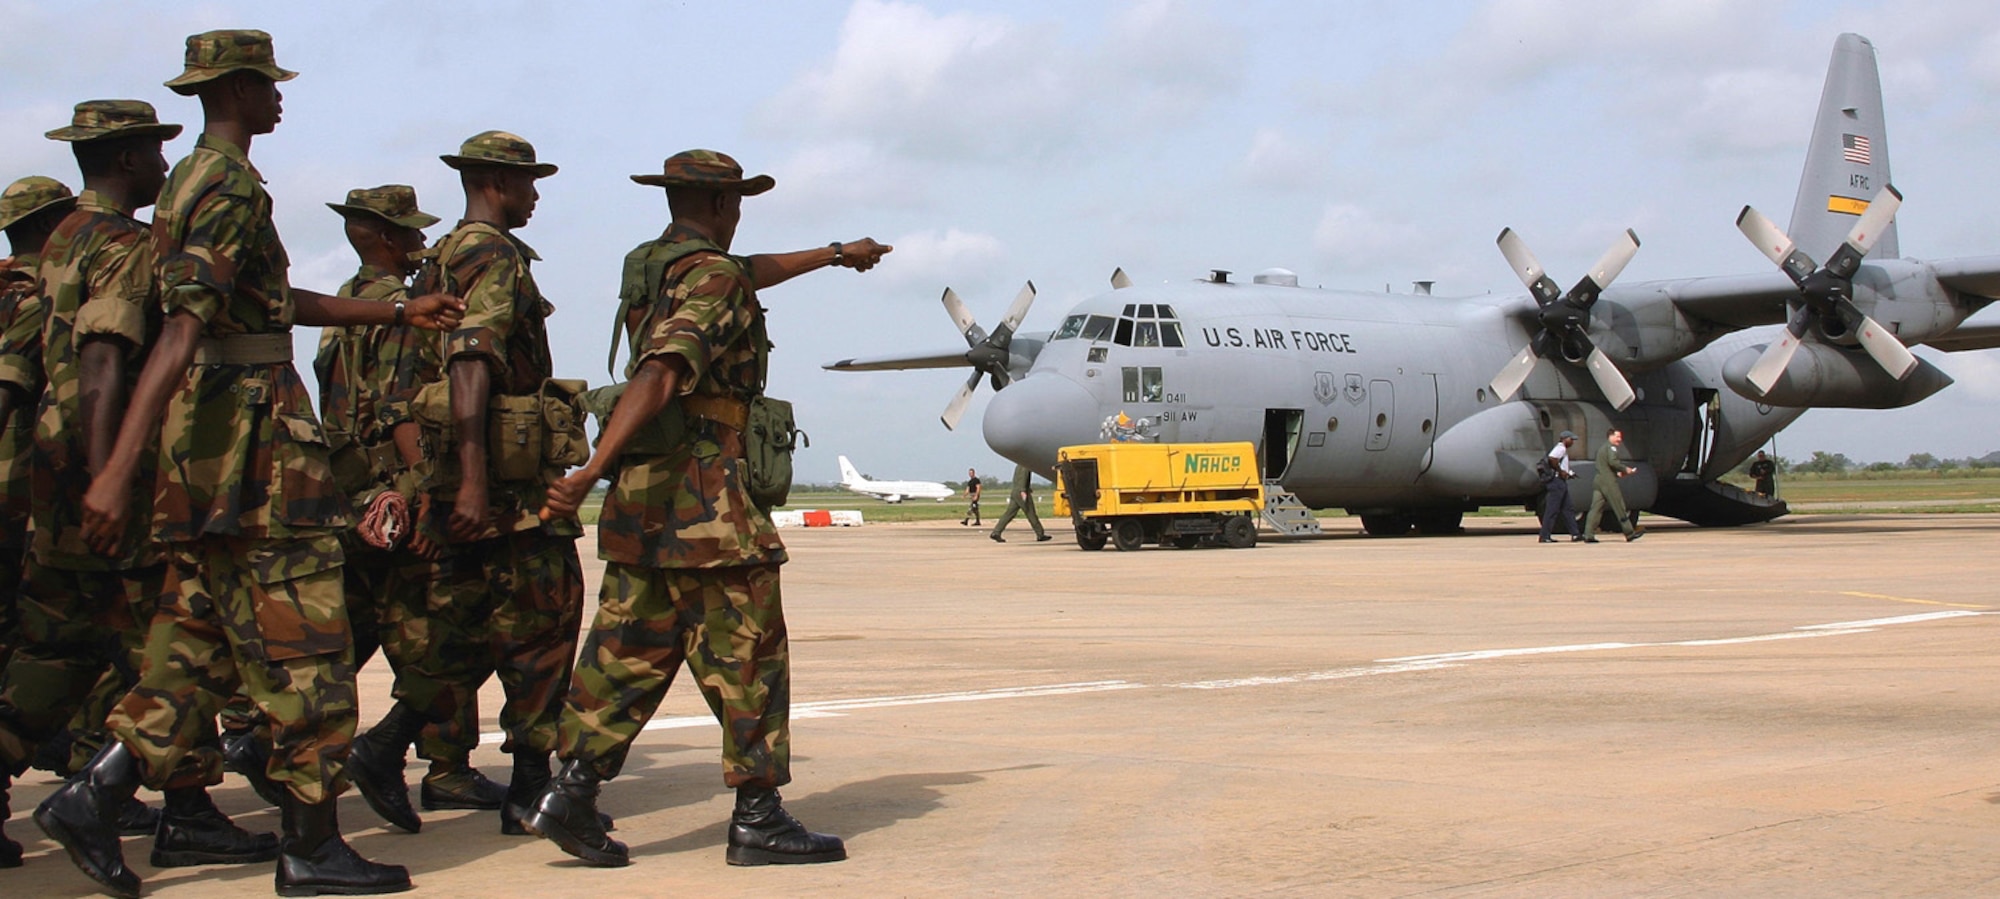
(1391, 408)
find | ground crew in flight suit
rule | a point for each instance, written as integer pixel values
(1604, 490)
(1020, 500)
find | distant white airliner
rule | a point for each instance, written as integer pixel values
(890, 491)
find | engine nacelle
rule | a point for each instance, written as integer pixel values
(1828, 376)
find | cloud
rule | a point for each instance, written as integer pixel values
(949, 256)
(1277, 161)
(964, 86)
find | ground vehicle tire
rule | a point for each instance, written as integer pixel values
(1091, 536)
(1390, 525)
(1128, 534)
(1239, 532)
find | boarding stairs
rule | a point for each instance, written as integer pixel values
(1285, 514)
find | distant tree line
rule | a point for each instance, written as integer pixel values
(1838, 463)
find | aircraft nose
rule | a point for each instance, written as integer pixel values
(1035, 416)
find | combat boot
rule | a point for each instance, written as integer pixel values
(10, 851)
(376, 766)
(524, 789)
(83, 816)
(194, 832)
(567, 816)
(249, 755)
(455, 784)
(761, 832)
(137, 819)
(315, 860)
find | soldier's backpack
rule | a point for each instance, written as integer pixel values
(770, 433)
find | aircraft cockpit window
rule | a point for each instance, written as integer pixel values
(1124, 336)
(1131, 309)
(1166, 311)
(1071, 327)
(1170, 333)
(1146, 310)
(1098, 328)
(1147, 334)
(1151, 386)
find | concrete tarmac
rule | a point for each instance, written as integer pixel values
(1805, 708)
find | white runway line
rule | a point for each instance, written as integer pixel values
(834, 708)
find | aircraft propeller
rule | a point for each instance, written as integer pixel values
(989, 354)
(1827, 292)
(1565, 318)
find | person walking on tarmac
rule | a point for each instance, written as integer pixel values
(1556, 504)
(972, 495)
(1020, 500)
(1604, 490)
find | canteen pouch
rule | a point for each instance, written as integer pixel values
(564, 443)
(769, 439)
(514, 437)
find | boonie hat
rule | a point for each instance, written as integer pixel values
(708, 170)
(104, 119)
(394, 203)
(30, 195)
(213, 54)
(498, 148)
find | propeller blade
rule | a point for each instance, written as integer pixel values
(1527, 268)
(1120, 280)
(1890, 353)
(1513, 374)
(956, 409)
(1775, 244)
(1606, 270)
(1019, 310)
(1881, 211)
(962, 318)
(1616, 389)
(1771, 365)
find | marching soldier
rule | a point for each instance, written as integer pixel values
(366, 375)
(245, 504)
(508, 573)
(29, 211)
(691, 559)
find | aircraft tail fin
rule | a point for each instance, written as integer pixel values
(1848, 160)
(847, 473)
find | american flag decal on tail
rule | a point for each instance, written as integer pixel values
(1854, 149)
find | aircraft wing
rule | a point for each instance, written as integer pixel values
(945, 359)
(1977, 275)
(1967, 337)
(1733, 301)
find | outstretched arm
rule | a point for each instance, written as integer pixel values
(773, 269)
(432, 311)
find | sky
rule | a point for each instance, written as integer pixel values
(1363, 145)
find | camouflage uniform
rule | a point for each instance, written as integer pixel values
(245, 502)
(85, 612)
(521, 581)
(20, 368)
(692, 563)
(367, 375)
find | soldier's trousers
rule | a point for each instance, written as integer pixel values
(389, 597)
(11, 558)
(1017, 506)
(264, 615)
(728, 624)
(523, 594)
(81, 634)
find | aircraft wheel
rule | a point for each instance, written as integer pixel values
(1385, 525)
(1091, 536)
(1440, 523)
(1239, 532)
(1128, 534)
